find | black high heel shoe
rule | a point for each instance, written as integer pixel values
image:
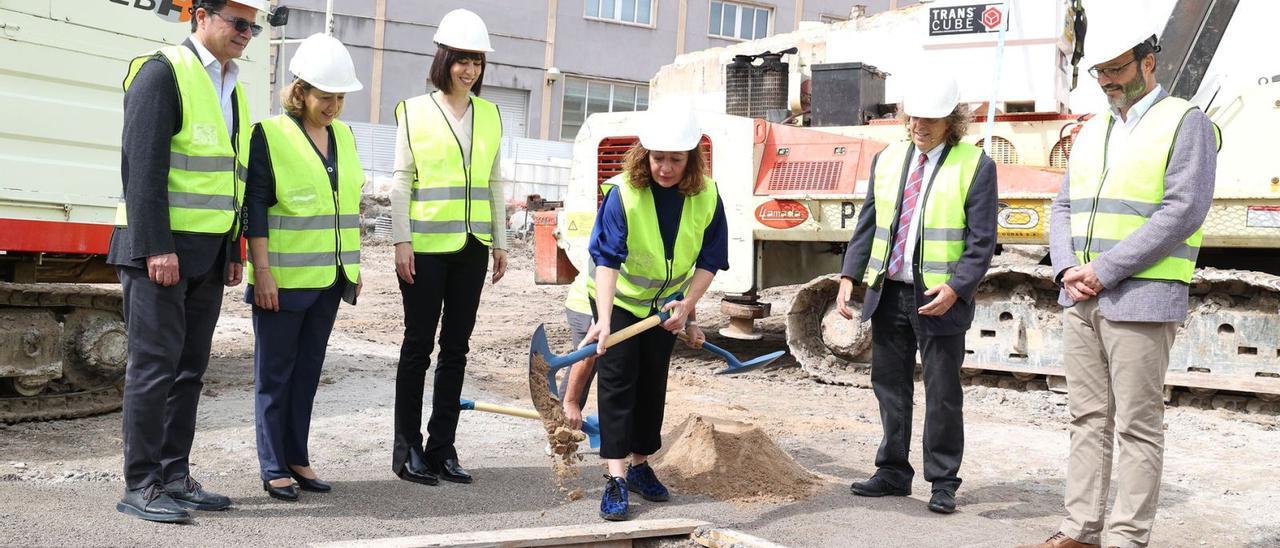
(314, 485)
(287, 493)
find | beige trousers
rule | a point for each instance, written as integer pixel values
(1115, 387)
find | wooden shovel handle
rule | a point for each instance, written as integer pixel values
(685, 338)
(631, 330)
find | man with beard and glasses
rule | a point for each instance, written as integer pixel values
(1124, 236)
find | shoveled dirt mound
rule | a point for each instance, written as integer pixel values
(730, 460)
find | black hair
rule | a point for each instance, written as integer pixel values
(441, 75)
(1145, 48)
(208, 6)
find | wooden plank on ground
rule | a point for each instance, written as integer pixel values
(712, 537)
(607, 534)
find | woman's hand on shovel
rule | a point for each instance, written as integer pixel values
(696, 336)
(679, 312)
(598, 333)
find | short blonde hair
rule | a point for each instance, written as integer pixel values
(293, 97)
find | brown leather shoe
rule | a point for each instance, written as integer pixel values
(1060, 540)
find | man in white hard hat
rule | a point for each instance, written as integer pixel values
(924, 239)
(176, 244)
(1124, 237)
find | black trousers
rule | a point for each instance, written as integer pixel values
(445, 293)
(288, 356)
(895, 337)
(632, 389)
(170, 331)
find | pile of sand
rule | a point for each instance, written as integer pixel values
(730, 460)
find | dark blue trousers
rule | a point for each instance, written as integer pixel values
(289, 350)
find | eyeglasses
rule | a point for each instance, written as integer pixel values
(1110, 72)
(241, 23)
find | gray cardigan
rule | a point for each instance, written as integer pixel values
(1188, 193)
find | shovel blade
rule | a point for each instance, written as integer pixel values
(736, 366)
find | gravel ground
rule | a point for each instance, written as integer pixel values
(59, 480)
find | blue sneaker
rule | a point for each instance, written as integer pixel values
(642, 480)
(613, 505)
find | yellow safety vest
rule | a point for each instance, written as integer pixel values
(449, 199)
(578, 299)
(1113, 197)
(941, 238)
(646, 277)
(206, 168)
(312, 231)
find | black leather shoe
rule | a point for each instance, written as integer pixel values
(152, 504)
(878, 487)
(314, 485)
(287, 493)
(415, 469)
(189, 494)
(450, 470)
(943, 502)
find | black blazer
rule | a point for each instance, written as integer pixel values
(979, 247)
(152, 116)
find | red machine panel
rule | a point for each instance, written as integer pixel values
(797, 160)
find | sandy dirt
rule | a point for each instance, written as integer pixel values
(59, 480)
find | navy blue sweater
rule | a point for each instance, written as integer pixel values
(609, 235)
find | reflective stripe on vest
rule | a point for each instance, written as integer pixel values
(941, 238)
(206, 175)
(1111, 197)
(578, 299)
(312, 231)
(647, 277)
(448, 199)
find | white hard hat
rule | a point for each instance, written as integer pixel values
(260, 5)
(670, 127)
(1114, 28)
(934, 95)
(463, 30)
(322, 61)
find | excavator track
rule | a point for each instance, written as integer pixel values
(1226, 355)
(93, 351)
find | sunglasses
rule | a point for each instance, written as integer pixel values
(240, 23)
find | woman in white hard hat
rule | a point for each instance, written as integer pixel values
(661, 233)
(923, 242)
(302, 200)
(448, 212)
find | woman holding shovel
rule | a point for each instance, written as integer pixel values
(661, 233)
(447, 213)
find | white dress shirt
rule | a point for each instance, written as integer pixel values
(224, 81)
(1122, 128)
(906, 274)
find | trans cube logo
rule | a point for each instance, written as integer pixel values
(992, 17)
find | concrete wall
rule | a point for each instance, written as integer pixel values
(584, 47)
(898, 42)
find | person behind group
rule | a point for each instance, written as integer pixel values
(303, 225)
(924, 239)
(1124, 236)
(176, 243)
(662, 231)
(575, 388)
(447, 212)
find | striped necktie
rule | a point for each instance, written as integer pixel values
(910, 195)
